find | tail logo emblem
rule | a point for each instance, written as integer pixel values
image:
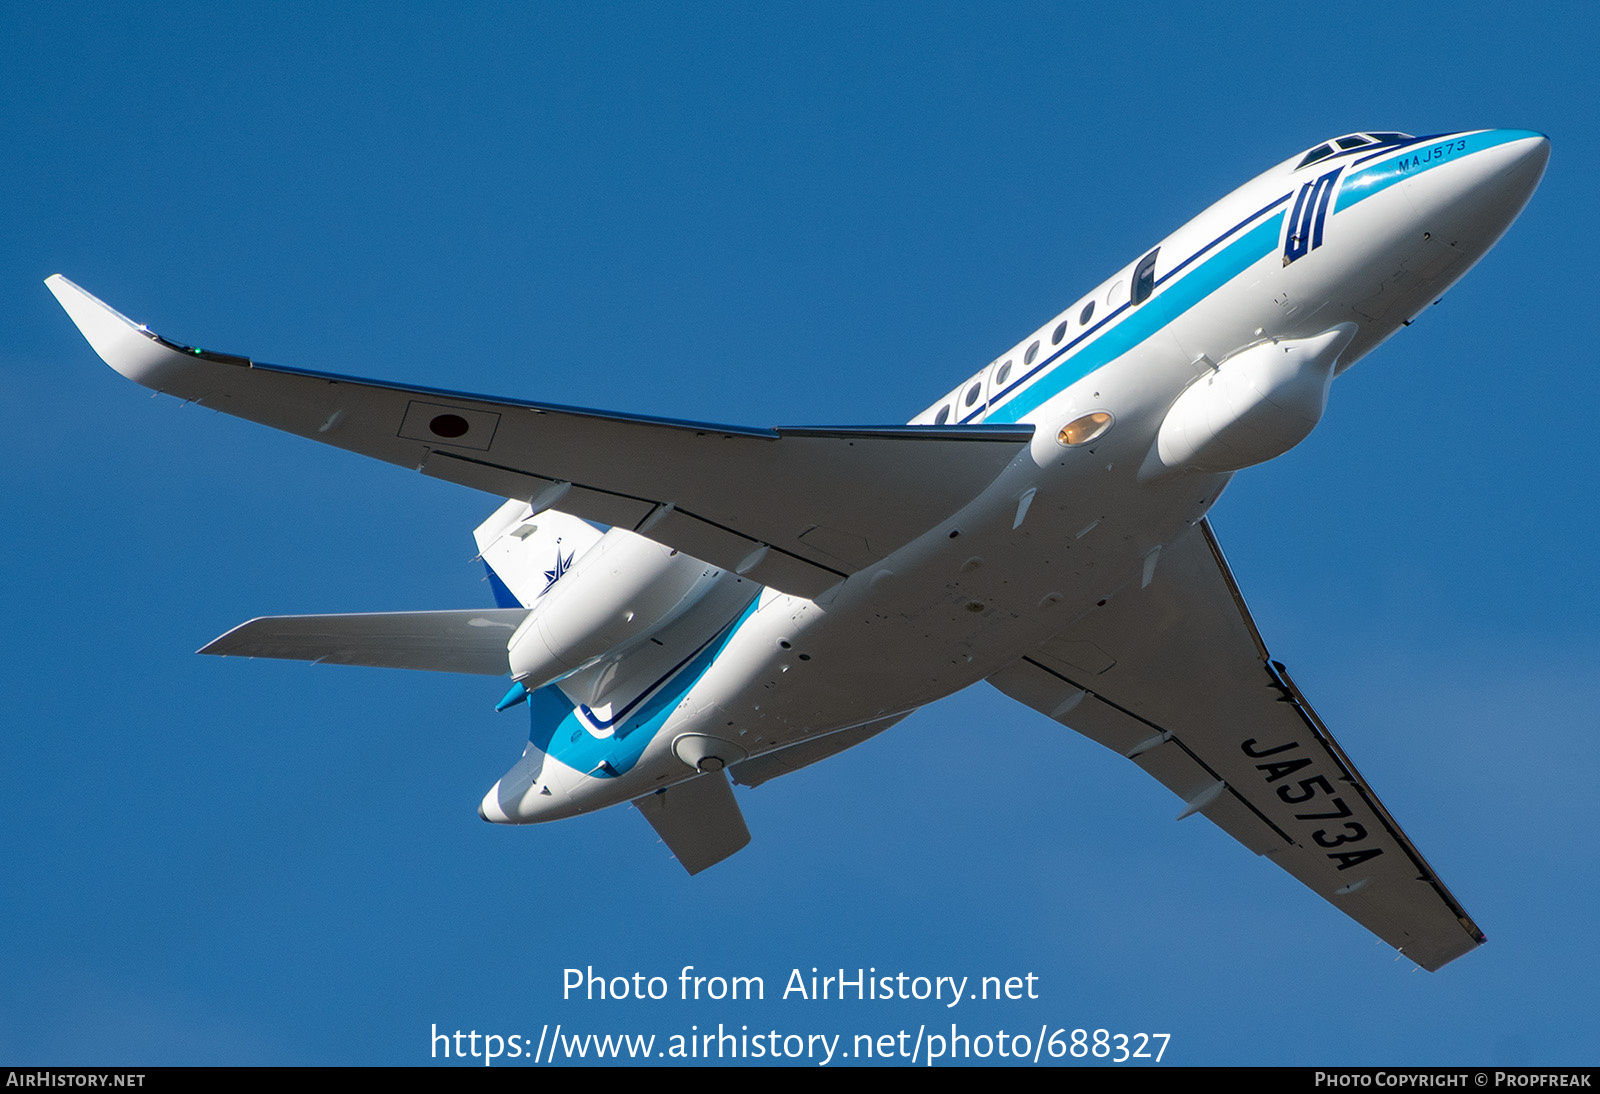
(553, 575)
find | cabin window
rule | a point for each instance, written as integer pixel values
(1061, 332)
(1086, 314)
(943, 415)
(972, 392)
(1000, 377)
(1144, 278)
(1033, 351)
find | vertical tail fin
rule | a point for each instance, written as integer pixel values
(526, 553)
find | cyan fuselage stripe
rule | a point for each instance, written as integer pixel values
(569, 740)
(1415, 159)
(1040, 384)
(1151, 316)
(1027, 377)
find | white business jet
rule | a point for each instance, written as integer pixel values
(680, 601)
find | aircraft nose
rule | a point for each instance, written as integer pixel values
(1513, 168)
(1535, 148)
(1475, 198)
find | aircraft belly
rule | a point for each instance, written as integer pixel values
(942, 614)
(947, 611)
(973, 593)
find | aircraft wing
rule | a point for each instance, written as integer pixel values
(1175, 677)
(796, 509)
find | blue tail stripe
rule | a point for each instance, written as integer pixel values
(503, 596)
(558, 731)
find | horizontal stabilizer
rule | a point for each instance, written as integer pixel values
(698, 820)
(796, 509)
(472, 641)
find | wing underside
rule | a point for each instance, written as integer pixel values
(796, 509)
(1175, 677)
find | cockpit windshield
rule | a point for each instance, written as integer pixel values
(1349, 143)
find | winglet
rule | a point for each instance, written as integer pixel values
(126, 346)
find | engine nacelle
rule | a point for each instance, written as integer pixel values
(619, 592)
(1257, 405)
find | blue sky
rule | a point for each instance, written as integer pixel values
(823, 214)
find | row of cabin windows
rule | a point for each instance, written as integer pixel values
(1144, 283)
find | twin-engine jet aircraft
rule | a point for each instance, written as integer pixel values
(680, 602)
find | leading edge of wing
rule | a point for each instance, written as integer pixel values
(795, 508)
(124, 345)
(472, 640)
(146, 358)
